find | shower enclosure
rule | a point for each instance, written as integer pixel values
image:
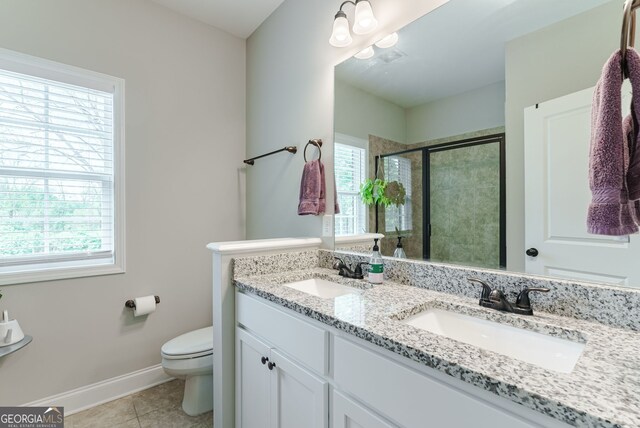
(454, 209)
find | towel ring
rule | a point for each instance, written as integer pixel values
(318, 143)
(627, 38)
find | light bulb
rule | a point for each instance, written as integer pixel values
(388, 41)
(340, 37)
(365, 53)
(365, 22)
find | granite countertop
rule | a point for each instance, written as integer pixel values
(603, 390)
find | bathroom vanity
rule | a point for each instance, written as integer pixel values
(289, 370)
(310, 354)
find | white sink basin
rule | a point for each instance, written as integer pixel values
(321, 288)
(548, 352)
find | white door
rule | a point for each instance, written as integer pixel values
(253, 399)
(557, 136)
(348, 414)
(301, 398)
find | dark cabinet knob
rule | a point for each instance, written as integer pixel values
(271, 365)
(532, 252)
(264, 360)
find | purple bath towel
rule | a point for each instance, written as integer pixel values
(632, 131)
(609, 212)
(323, 188)
(313, 190)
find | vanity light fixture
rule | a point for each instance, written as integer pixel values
(340, 37)
(387, 41)
(364, 23)
(365, 53)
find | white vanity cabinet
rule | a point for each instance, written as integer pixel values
(253, 382)
(408, 396)
(272, 391)
(368, 387)
(346, 413)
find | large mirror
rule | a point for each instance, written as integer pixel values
(472, 134)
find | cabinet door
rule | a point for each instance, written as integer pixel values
(348, 414)
(299, 399)
(253, 402)
(410, 398)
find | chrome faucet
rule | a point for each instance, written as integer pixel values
(495, 299)
(344, 270)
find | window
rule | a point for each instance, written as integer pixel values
(61, 189)
(398, 169)
(350, 170)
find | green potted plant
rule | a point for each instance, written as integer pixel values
(395, 193)
(378, 191)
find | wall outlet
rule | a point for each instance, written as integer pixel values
(327, 225)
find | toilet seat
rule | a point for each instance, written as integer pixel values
(186, 356)
(195, 344)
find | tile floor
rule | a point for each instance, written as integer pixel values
(160, 406)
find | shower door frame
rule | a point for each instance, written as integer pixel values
(426, 186)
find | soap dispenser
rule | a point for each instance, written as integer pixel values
(376, 266)
(399, 252)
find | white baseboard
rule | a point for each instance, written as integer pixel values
(98, 393)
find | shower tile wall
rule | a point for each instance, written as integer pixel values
(465, 205)
(467, 136)
(379, 146)
(467, 249)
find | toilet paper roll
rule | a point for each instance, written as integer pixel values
(144, 305)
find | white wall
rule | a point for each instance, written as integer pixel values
(359, 113)
(290, 100)
(481, 108)
(185, 125)
(555, 61)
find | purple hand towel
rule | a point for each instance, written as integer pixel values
(311, 189)
(631, 131)
(323, 189)
(609, 212)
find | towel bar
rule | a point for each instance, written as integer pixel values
(628, 35)
(290, 149)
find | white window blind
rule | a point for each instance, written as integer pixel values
(350, 173)
(398, 169)
(57, 173)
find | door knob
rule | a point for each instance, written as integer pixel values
(264, 360)
(271, 365)
(532, 252)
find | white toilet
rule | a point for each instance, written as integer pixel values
(190, 356)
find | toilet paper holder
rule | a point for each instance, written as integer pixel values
(132, 305)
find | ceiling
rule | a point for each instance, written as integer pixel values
(456, 48)
(237, 17)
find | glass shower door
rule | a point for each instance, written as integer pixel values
(464, 204)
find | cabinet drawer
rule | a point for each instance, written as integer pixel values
(348, 414)
(301, 340)
(411, 398)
